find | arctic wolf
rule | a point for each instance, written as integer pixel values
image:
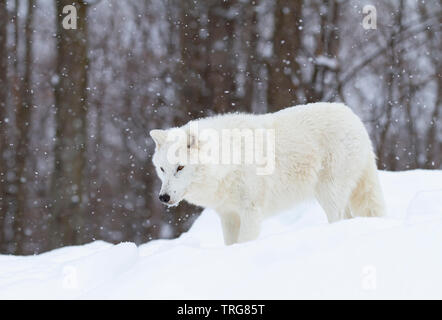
(320, 150)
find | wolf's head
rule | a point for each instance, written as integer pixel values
(172, 149)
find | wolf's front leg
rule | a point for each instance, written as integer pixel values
(230, 223)
(250, 225)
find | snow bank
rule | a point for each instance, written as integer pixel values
(298, 255)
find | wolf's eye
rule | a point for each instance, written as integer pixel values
(179, 168)
(162, 169)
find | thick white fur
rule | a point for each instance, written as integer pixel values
(322, 151)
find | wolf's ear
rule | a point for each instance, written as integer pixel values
(159, 136)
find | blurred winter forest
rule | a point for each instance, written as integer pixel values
(76, 105)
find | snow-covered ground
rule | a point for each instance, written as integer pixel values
(298, 255)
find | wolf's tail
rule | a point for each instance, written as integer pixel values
(366, 199)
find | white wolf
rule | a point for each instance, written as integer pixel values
(321, 151)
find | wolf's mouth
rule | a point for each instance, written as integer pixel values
(172, 204)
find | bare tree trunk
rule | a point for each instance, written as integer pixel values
(16, 87)
(249, 42)
(23, 118)
(434, 158)
(382, 157)
(3, 105)
(221, 63)
(70, 145)
(386, 159)
(8, 142)
(282, 67)
(433, 144)
(327, 47)
(194, 94)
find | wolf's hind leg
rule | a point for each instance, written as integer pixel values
(230, 223)
(250, 226)
(367, 199)
(334, 201)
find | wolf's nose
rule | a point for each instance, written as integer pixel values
(164, 197)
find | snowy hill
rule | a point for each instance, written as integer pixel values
(298, 255)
